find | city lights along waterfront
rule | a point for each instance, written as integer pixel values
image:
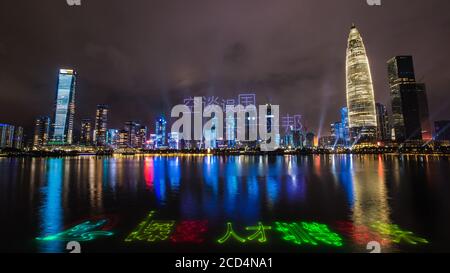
(364, 127)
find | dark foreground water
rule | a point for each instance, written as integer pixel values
(316, 203)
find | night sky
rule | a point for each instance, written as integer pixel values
(142, 57)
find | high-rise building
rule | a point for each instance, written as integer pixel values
(442, 130)
(230, 126)
(141, 136)
(174, 141)
(124, 139)
(409, 101)
(309, 140)
(336, 130)
(383, 129)
(131, 127)
(6, 136)
(153, 141)
(288, 139)
(62, 129)
(345, 126)
(298, 139)
(160, 132)
(41, 132)
(339, 133)
(101, 125)
(18, 138)
(86, 132)
(112, 138)
(360, 93)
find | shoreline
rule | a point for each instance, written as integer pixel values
(219, 153)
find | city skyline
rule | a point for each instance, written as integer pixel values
(315, 96)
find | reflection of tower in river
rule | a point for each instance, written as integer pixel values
(370, 192)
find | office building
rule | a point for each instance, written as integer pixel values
(18, 143)
(360, 92)
(161, 132)
(132, 128)
(6, 136)
(41, 132)
(86, 132)
(62, 129)
(383, 129)
(101, 125)
(410, 114)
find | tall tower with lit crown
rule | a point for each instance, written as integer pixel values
(360, 95)
(63, 117)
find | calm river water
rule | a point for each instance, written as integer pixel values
(317, 203)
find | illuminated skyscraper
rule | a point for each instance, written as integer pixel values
(383, 130)
(123, 139)
(345, 126)
(86, 132)
(132, 129)
(141, 136)
(62, 129)
(6, 136)
(360, 95)
(101, 123)
(112, 138)
(174, 141)
(309, 140)
(18, 138)
(41, 132)
(160, 132)
(409, 101)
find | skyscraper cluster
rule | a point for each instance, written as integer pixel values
(368, 121)
(362, 120)
(11, 137)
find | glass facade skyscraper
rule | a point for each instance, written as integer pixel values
(18, 138)
(141, 136)
(86, 132)
(62, 131)
(360, 93)
(132, 131)
(101, 123)
(6, 136)
(160, 132)
(409, 101)
(345, 125)
(383, 130)
(112, 138)
(41, 132)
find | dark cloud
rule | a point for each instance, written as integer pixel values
(144, 56)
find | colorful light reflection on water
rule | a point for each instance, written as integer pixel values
(359, 191)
